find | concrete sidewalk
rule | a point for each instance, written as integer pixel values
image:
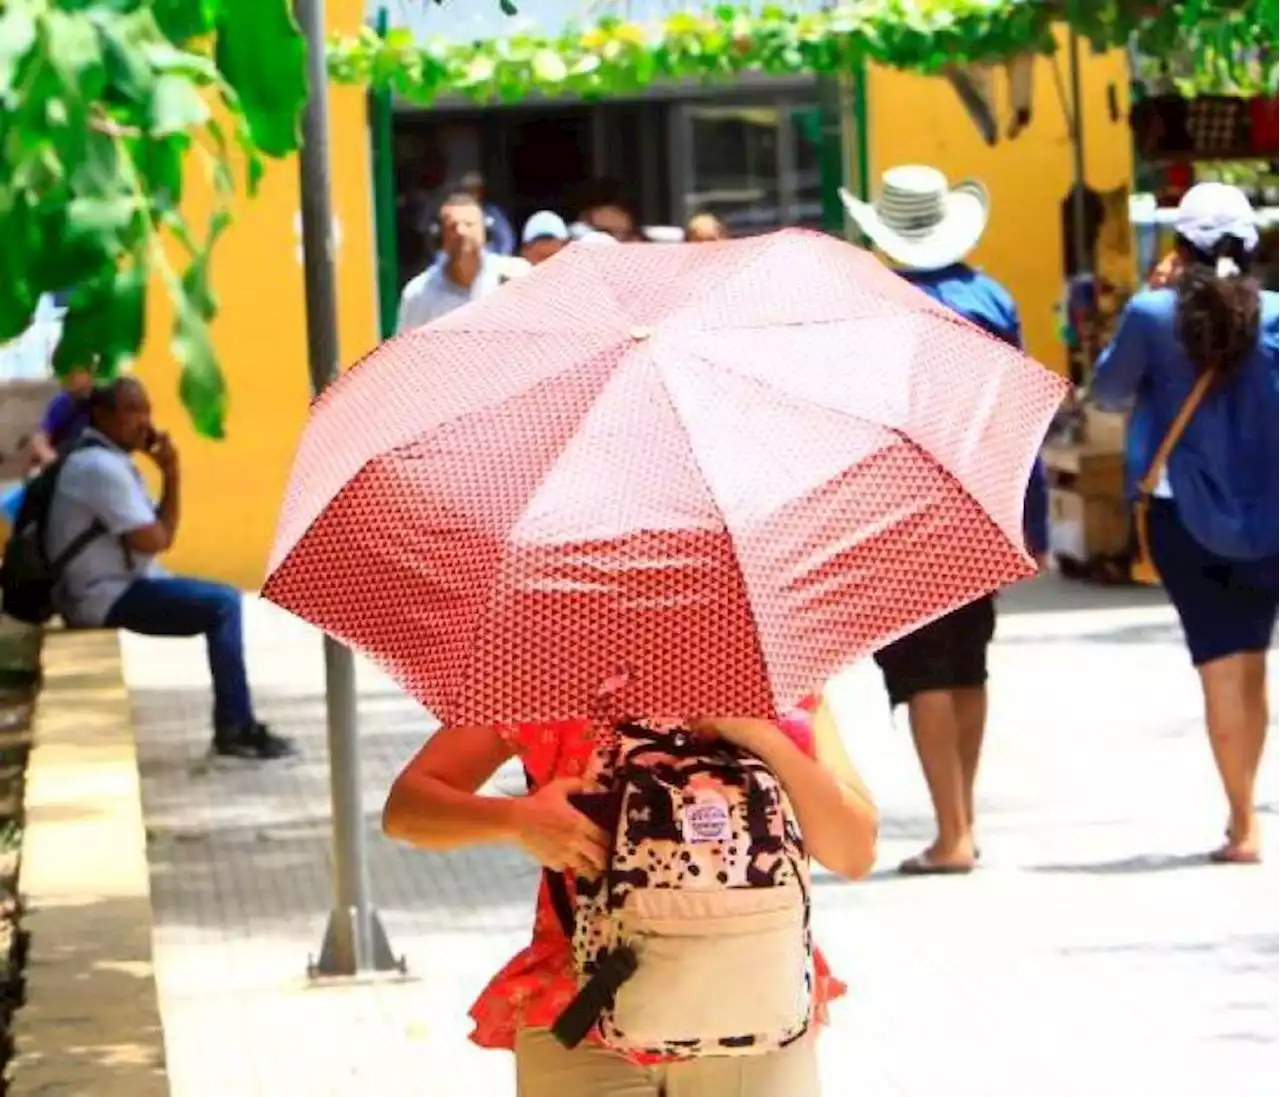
(1093, 954)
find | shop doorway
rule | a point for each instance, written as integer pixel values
(548, 158)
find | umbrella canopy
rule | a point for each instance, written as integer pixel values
(732, 468)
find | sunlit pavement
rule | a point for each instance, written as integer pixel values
(1093, 953)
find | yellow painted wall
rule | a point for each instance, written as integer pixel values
(913, 119)
(232, 489)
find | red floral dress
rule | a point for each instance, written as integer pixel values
(536, 985)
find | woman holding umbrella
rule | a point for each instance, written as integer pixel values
(435, 805)
(617, 465)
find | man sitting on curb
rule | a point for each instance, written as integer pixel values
(116, 581)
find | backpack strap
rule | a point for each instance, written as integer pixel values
(79, 543)
(557, 887)
(87, 536)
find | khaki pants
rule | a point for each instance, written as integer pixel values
(546, 1069)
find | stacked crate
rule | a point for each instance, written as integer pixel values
(1088, 511)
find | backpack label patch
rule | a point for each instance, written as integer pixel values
(707, 819)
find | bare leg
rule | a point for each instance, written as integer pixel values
(1235, 704)
(971, 718)
(935, 729)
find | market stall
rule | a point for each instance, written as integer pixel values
(1179, 140)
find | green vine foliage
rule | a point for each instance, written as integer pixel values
(615, 57)
(104, 108)
(107, 105)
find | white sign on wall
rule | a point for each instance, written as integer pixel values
(335, 235)
(29, 356)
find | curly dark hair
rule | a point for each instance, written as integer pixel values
(1217, 316)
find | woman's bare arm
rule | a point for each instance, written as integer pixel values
(837, 815)
(434, 803)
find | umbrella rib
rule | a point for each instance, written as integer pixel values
(342, 381)
(699, 292)
(491, 599)
(733, 546)
(766, 384)
(892, 314)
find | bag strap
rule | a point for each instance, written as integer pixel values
(79, 543)
(87, 536)
(557, 888)
(1147, 485)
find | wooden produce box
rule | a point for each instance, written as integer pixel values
(1104, 431)
(1085, 470)
(1086, 528)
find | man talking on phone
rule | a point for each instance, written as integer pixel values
(116, 580)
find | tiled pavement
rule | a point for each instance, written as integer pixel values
(1091, 955)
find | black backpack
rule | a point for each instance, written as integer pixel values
(28, 576)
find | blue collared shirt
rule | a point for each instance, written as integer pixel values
(1222, 474)
(982, 300)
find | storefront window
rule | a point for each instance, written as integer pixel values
(732, 165)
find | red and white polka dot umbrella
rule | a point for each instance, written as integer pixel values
(731, 468)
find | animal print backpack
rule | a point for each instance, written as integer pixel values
(695, 940)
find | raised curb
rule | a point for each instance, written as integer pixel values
(91, 1023)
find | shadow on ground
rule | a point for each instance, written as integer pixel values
(1163, 633)
(1128, 865)
(1053, 594)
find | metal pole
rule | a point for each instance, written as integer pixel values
(381, 124)
(1079, 207)
(354, 941)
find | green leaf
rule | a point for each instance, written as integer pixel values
(183, 20)
(75, 54)
(105, 320)
(129, 314)
(176, 106)
(98, 225)
(123, 38)
(196, 283)
(262, 55)
(202, 387)
(159, 163)
(17, 36)
(549, 67)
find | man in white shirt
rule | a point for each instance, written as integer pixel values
(115, 580)
(467, 272)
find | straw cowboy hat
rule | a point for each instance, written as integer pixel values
(919, 221)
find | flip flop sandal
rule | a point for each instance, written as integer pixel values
(1229, 855)
(920, 865)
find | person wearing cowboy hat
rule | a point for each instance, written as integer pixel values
(926, 229)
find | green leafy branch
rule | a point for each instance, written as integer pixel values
(103, 107)
(613, 56)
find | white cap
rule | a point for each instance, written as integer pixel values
(544, 225)
(1210, 211)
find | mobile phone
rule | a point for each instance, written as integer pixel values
(150, 438)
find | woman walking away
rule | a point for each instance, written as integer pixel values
(1198, 360)
(706, 823)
